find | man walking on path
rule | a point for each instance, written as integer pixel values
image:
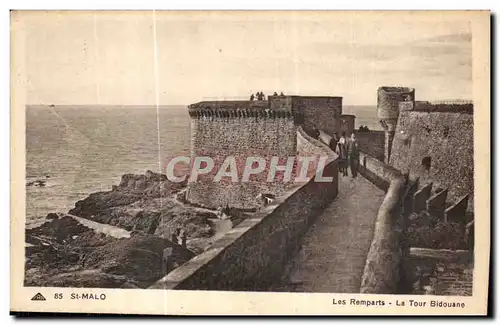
(333, 142)
(342, 153)
(353, 154)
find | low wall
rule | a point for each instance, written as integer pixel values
(253, 254)
(382, 270)
(372, 143)
(377, 171)
(307, 145)
(463, 107)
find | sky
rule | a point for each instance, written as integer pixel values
(178, 58)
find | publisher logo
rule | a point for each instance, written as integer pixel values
(38, 297)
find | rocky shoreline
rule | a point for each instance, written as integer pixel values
(117, 238)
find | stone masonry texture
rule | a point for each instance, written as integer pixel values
(218, 138)
(420, 198)
(447, 139)
(252, 129)
(252, 255)
(324, 113)
(436, 204)
(445, 273)
(333, 252)
(457, 212)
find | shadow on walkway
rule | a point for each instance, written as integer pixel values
(333, 252)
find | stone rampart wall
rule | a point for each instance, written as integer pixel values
(437, 147)
(383, 264)
(240, 137)
(252, 255)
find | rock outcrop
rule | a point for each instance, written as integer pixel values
(132, 188)
(62, 252)
(65, 252)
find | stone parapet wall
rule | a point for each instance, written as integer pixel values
(383, 262)
(323, 113)
(377, 171)
(457, 107)
(251, 256)
(382, 270)
(307, 145)
(220, 138)
(372, 143)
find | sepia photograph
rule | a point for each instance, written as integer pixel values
(252, 152)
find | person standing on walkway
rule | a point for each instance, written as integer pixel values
(353, 154)
(333, 142)
(342, 153)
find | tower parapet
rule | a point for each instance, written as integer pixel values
(388, 100)
(257, 128)
(275, 107)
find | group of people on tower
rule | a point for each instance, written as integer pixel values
(348, 152)
(260, 95)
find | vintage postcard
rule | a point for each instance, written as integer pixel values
(250, 163)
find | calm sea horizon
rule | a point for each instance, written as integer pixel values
(80, 149)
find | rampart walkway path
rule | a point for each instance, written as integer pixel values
(333, 252)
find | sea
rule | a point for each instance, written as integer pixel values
(78, 150)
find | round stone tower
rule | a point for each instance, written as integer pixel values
(388, 100)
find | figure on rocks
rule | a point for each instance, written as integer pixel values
(252, 97)
(266, 199)
(223, 213)
(166, 265)
(183, 238)
(175, 235)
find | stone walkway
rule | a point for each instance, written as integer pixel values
(333, 252)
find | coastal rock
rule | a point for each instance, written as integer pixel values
(147, 204)
(52, 216)
(130, 218)
(132, 188)
(132, 181)
(37, 183)
(65, 252)
(82, 279)
(138, 258)
(59, 230)
(62, 252)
